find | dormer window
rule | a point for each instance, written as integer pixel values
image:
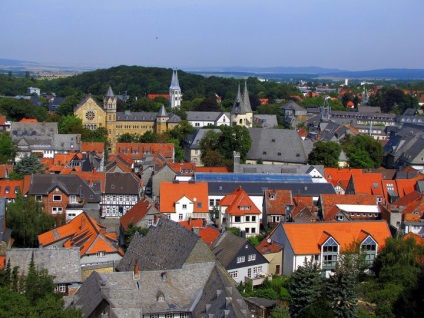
(369, 248)
(160, 296)
(330, 252)
(272, 196)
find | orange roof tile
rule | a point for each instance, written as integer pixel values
(171, 192)
(277, 200)
(92, 146)
(328, 201)
(367, 183)
(28, 120)
(236, 200)
(83, 232)
(136, 213)
(92, 177)
(334, 175)
(153, 96)
(207, 233)
(305, 238)
(137, 151)
(213, 169)
(267, 245)
(419, 240)
(5, 169)
(9, 188)
(2, 262)
(2, 120)
(182, 167)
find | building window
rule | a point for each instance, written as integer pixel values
(237, 219)
(251, 257)
(246, 230)
(247, 218)
(60, 288)
(72, 199)
(233, 274)
(369, 248)
(184, 206)
(57, 210)
(101, 254)
(38, 198)
(180, 216)
(57, 197)
(241, 259)
(211, 202)
(253, 230)
(330, 252)
(253, 218)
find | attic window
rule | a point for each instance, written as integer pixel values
(375, 185)
(264, 153)
(272, 196)
(160, 297)
(279, 153)
(112, 186)
(273, 140)
(199, 204)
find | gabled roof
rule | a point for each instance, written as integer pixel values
(237, 201)
(196, 192)
(305, 238)
(98, 147)
(138, 151)
(328, 201)
(334, 175)
(167, 245)
(69, 183)
(277, 200)
(411, 203)
(268, 246)
(122, 183)
(367, 183)
(83, 232)
(184, 168)
(94, 179)
(137, 213)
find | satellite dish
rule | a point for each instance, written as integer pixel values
(269, 241)
(194, 199)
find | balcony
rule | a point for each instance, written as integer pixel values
(258, 279)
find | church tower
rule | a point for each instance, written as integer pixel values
(242, 113)
(109, 104)
(161, 120)
(175, 95)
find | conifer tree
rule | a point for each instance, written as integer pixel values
(305, 287)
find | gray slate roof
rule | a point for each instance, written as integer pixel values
(202, 289)
(62, 263)
(168, 245)
(257, 189)
(265, 121)
(279, 145)
(175, 84)
(33, 130)
(194, 139)
(69, 183)
(109, 92)
(277, 168)
(121, 183)
(227, 246)
(203, 116)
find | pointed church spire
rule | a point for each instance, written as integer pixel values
(247, 108)
(237, 106)
(109, 92)
(174, 82)
(162, 112)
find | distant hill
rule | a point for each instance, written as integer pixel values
(7, 62)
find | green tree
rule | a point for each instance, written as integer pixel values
(325, 153)
(363, 152)
(279, 312)
(305, 288)
(27, 220)
(127, 137)
(148, 137)
(28, 165)
(130, 232)
(66, 107)
(8, 148)
(70, 124)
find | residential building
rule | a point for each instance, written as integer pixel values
(10, 188)
(203, 119)
(277, 205)
(61, 263)
(241, 260)
(181, 201)
(273, 253)
(63, 195)
(143, 214)
(121, 192)
(324, 242)
(98, 248)
(236, 209)
(192, 145)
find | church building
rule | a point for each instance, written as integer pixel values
(242, 114)
(94, 116)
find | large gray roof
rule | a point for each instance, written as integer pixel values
(175, 84)
(203, 116)
(33, 130)
(62, 263)
(257, 189)
(277, 168)
(202, 289)
(195, 138)
(167, 245)
(227, 246)
(278, 145)
(121, 183)
(69, 183)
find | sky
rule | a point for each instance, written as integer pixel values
(344, 34)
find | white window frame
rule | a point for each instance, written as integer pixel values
(241, 259)
(57, 196)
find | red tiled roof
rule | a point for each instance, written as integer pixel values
(136, 213)
(277, 200)
(213, 169)
(305, 238)
(328, 201)
(5, 169)
(367, 183)
(2, 120)
(91, 177)
(137, 151)
(8, 188)
(267, 245)
(182, 167)
(171, 192)
(237, 199)
(207, 233)
(153, 96)
(28, 120)
(83, 232)
(93, 146)
(334, 175)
